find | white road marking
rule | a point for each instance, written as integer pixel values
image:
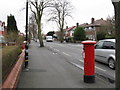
(56, 50)
(60, 44)
(66, 54)
(77, 65)
(100, 69)
(95, 66)
(83, 67)
(54, 53)
(81, 60)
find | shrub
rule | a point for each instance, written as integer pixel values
(20, 40)
(9, 57)
(79, 34)
(110, 36)
(101, 35)
(11, 36)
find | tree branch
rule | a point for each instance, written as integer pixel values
(34, 13)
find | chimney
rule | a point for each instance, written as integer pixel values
(66, 27)
(3, 23)
(77, 24)
(92, 20)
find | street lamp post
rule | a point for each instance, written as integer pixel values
(116, 4)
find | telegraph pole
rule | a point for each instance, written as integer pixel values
(26, 46)
(27, 20)
(116, 4)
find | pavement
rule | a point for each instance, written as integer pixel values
(50, 70)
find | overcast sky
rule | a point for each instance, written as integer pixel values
(83, 11)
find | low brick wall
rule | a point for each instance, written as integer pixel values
(13, 78)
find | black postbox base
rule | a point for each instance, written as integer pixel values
(89, 79)
(26, 64)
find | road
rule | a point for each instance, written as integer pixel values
(73, 54)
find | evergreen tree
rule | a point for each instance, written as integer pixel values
(11, 23)
(79, 34)
(50, 33)
(12, 30)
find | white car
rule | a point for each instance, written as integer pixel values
(105, 52)
(49, 39)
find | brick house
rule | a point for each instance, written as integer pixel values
(90, 29)
(2, 33)
(69, 32)
(98, 25)
(2, 28)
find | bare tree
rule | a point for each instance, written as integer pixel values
(111, 25)
(38, 13)
(117, 27)
(33, 27)
(111, 20)
(61, 9)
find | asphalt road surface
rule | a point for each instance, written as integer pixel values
(73, 53)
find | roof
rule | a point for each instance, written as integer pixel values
(70, 28)
(101, 22)
(89, 25)
(83, 25)
(98, 23)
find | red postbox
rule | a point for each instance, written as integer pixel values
(23, 45)
(89, 62)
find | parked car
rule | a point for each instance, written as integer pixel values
(105, 52)
(49, 39)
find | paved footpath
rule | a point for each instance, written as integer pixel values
(50, 70)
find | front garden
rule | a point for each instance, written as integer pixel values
(10, 55)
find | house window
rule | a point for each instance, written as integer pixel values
(72, 34)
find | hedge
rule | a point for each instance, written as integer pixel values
(9, 57)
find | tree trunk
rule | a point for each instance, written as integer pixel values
(61, 35)
(39, 28)
(40, 35)
(117, 26)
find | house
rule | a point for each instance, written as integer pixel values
(2, 28)
(2, 33)
(69, 32)
(90, 29)
(96, 26)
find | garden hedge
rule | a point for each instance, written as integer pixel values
(10, 55)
